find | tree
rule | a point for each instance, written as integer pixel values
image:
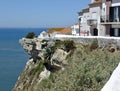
(30, 35)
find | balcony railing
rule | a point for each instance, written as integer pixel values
(107, 18)
(104, 19)
(91, 22)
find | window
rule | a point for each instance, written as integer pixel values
(115, 14)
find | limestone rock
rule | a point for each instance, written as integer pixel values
(43, 75)
(33, 47)
(59, 57)
(45, 59)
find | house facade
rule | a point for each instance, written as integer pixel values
(102, 18)
(75, 29)
(110, 18)
(90, 19)
(95, 9)
(84, 27)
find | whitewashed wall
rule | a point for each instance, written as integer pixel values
(84, 27)
(98, 11)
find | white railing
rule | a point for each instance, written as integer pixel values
(77, 36)
(72, 36)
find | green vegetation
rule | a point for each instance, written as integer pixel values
(44, 40)
(49, 52)
(30, 35)
(94, 45)
(37, 69)
(86, 71)
(88, 68)
(67, 45)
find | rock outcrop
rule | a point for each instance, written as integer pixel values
(45, 58)
(64, 65)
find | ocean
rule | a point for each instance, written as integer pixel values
(12, 56)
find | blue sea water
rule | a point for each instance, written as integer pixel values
(12, 56)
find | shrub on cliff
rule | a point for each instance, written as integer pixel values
(85, 70)
(94, 45)
(30, 35)
(67, 45)
(49, 52)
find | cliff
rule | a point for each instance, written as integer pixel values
(57, 65)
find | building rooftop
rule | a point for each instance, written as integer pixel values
(66, 31)
(80, 13)
(60, 30)
(83, 11)
(86, 10)
(51, 30)
(96, 2)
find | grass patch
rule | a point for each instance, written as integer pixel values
(36, 70)
(86, 71)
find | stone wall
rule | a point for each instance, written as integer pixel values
(88, 39)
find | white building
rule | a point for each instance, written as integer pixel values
(90, 19)
(43, 34)
(95, 9)
(102, 18)
(75, 29)
(84, 27)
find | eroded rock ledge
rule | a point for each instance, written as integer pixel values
(70, 67)
(46, 57)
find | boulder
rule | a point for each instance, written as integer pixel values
(59, 58)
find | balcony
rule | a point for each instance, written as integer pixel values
(109, 20)
(92, 22)
(104, 19)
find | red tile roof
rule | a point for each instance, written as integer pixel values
(97, 2)
(66, 31)
(51, 30)
(60, 30)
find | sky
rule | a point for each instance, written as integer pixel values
(40, 13)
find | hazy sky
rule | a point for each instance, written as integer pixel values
(40, 13)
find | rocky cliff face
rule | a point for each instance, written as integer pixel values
(45, 58)
(66, 66)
